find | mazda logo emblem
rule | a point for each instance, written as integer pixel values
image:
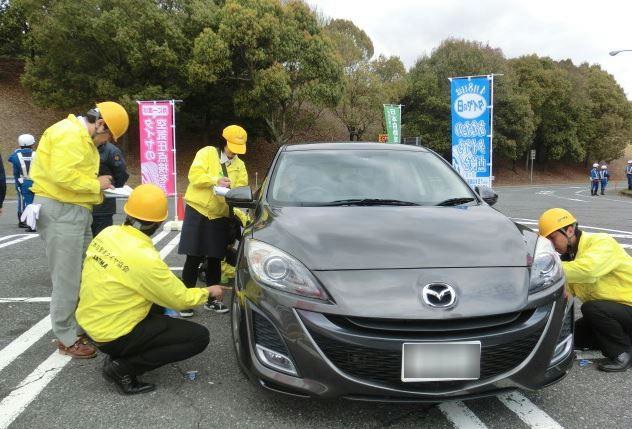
(438, 295)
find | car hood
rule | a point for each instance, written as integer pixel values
(384, 237)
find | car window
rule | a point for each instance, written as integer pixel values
(318, 177)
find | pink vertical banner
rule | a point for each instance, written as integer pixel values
(155, 120)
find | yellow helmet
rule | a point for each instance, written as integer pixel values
(554, 219)
(236, 138)
(115, 117)
(147, 202)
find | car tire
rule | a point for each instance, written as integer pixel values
(239, 334)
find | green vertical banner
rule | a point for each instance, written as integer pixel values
(393, 119)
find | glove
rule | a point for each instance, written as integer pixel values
(30, 215)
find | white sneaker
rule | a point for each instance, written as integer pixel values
(216, 306)
(186, 313)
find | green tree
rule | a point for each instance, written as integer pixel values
(13, 30)
(427, 103)
(106, 49)
(283, 70)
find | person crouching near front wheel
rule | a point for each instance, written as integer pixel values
(124, 281)
(599, 272)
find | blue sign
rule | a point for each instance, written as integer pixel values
(471, 128)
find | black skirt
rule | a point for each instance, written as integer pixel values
(203, 237)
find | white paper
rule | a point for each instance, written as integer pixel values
(220, 190)
(123, 192)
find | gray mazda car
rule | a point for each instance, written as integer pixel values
(374, 272)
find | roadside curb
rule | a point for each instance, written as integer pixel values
(626, 193)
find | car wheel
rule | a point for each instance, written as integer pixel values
(240, 336)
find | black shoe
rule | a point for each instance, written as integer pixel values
(29, 229)
(126, 383)
(618, 364)
(22, 225)
(216, 306)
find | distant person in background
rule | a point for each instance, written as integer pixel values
(3, 184)
(112, 163)
(605, 177)
(595, 178)
(21, 160)
(628, 172)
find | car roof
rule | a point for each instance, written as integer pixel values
(352, 146)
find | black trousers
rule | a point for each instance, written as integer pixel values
(156, 341)
(100, 222)
(191, 268)
(606, 326)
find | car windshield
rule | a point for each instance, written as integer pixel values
(365, 177)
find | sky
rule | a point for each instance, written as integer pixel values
(580, 30)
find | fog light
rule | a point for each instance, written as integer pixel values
(562, 350)
(275, 360)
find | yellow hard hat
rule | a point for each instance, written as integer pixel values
(236, 138)
(554, 219)
(115, 117)
(147, 202)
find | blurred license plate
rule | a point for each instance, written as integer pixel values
(441, 361)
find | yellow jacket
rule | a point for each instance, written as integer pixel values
(602, 270)
(67, 165)
(123, 275)
(204, 174)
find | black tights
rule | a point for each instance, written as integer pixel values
(191, 266)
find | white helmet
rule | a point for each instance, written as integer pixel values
(603, 167)
(26, 140)
(595, 165)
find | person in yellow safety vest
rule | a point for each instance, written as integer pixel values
(66, 186)
(599, 272)
(125, 285)
(207, 219)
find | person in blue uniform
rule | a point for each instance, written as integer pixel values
(605, 177)
(595, 178)
(21, 159)
(628, 172)
(112, 163)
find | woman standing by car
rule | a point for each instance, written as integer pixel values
(207, 220)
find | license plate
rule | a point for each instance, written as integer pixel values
(441, 361)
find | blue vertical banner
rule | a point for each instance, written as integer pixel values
(472, 128)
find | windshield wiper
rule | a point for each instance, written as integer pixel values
(369, 202)
(455, 201)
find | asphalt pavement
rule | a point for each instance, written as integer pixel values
(41, 389)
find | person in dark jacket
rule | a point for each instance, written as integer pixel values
(3, 184)
(112, 164)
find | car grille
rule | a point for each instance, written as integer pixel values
(385, 366)
(427, 327)
(266, 334)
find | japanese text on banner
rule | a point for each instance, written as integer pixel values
(156, 144)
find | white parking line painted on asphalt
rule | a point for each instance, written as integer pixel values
(528, 412)
(176, 268)
(461, 416)
(20, 397)
(169, 247)
(35, 299)
(19, 240)
(23, 342)
(160, 236)
(552, 194)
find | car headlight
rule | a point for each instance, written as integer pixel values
(275, 268)
(546, 269)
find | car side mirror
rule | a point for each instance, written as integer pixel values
(241, 197)
(487, 194)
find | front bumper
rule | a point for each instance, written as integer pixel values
(338, 356)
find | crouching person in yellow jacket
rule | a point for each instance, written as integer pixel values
(599, 272)
(123, 277)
